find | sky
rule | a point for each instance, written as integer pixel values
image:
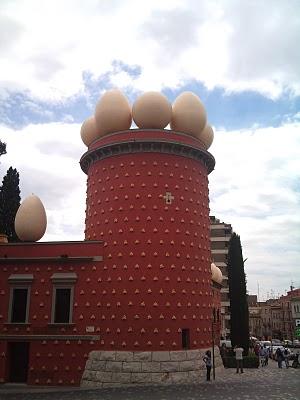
(241, 58)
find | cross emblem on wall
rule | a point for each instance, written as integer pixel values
(169, 197)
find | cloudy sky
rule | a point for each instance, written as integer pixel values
(241, 58)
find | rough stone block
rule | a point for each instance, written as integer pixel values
(195, 376)
(142, 356)
(114, 366)
(124, 356)
(97, 365)
(160, 377)
(90, 384)
(88, 364)
(121, 377)
(152, 366)
(187, 365)
(178, 355)
(169, 366)
(95, 355)
(89, 375)
(108, 356)
(133, 366)
(103, 376)
(140, 377)
(179, 377)
(112, 384)
(193, 354)
(161, 356)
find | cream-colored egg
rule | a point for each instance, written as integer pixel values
(152, 110)
(31, 219)
(216, 274)
(188, 114)
(207, 136)
(89, 131)
(113, 112)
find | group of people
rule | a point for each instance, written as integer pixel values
(238, 350)
(264, 354)
(262, 351)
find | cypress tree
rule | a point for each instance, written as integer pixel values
(9, 203)
(239, 318)
(2, 148)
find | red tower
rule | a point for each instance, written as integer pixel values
(147, 199)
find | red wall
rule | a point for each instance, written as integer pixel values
(156, 277)
(59, 361)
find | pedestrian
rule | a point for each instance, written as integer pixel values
(239, 358)
(262, 356)
(207, 361)
(279, 357)
(286, 357)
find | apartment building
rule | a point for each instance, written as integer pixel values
(220, 234)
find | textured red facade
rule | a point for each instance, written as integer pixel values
(156, 279)
(142, 278)
(57, 352)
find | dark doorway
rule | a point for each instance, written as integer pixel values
(18, 361)
(185, 339)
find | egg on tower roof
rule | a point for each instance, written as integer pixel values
(89, 131)
(188, 114)
(113, 112)
(152, 110)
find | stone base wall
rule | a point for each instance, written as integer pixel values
(122, 368)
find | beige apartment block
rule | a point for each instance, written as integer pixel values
(220, 234)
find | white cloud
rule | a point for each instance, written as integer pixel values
(256, 188)
(47, 158)
(237, 45)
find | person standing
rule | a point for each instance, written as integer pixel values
(279, 357)
(286, 357)
(239, 358)
(207, 361)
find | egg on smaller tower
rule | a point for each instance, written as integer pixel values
(188, 114)
(217, 275)
(207, 136)
(152, 110)
(31, 220)
(113, 112)
(89, 131)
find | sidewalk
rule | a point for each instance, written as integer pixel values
(254, 384)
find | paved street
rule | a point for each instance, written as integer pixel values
(269, 383)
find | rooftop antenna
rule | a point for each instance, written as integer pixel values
(257, 291)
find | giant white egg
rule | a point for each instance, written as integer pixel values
(188, 114)
(113, 112)
(217, 275)
(31, 220)
(207, 136)
(89, 131)
(152, 110)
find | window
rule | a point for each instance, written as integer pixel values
(19, 303)
(62, 307)
(18, 311)
(185, 339)
(62, 301)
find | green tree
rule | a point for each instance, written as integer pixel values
(239, 318)
(2, 148)
(9, 203)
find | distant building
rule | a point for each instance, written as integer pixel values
(255, 319)
(275, 318)
(220, 234)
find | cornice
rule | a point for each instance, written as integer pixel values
(147, 146)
